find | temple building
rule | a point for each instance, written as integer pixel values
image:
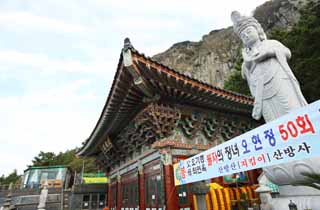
(154, 117)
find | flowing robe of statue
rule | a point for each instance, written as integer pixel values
(271, 81)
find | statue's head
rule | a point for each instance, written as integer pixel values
(247, 28)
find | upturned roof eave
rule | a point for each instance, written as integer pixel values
(88, 148)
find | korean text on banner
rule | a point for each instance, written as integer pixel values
(291, 137)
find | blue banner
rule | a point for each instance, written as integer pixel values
(291, 137)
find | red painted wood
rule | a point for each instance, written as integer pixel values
(253, 176)
(170, 189)
(119, 195)
(109, 196)
(218, 180)
(142, 196)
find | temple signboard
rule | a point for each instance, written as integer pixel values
(292, 137)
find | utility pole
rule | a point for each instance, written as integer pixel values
(82, 171)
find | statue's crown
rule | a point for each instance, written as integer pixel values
(242, 22)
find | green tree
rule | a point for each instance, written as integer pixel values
(88, 163)
(13, 177)
(68, 158)
(44, 159)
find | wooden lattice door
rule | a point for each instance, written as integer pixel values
(130, 191)
(154, 188)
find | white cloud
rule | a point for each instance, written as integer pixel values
(48, 120)
(51, 97)
(42, 62)
(130, 23)
(23, 21)
(185, 9)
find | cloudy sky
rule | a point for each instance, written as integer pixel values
(58, 59)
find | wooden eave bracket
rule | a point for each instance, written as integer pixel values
(135, 73)
(154, 98)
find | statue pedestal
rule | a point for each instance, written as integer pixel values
(290, 173)
(303, 197)
(285, 174)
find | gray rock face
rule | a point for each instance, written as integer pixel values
(208, 60)
(212, 59)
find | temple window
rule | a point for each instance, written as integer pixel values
(182, 191)
(86, 201)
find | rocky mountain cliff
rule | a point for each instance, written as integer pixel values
(212, 59)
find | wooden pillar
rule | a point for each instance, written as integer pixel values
(253, 176)
(109, 195)
(119, 192)
(142, 195)
(171, 196)
(218, 180)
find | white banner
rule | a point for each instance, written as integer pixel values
(291, 137)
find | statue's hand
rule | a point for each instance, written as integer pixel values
(263, 54)
(260, 57)
(256, 115)
(257, 112)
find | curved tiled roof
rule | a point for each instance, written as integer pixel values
(126, 98)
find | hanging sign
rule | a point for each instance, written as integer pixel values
(291, 137)
(94, 178)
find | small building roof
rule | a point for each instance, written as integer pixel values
(45, 167)
(139, 80)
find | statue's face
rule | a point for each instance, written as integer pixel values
(249, 36)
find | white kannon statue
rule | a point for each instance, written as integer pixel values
(276, 92)
(272, 84)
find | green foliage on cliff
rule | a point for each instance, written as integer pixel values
(235, 81)
(304, 43)
(68, 158)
